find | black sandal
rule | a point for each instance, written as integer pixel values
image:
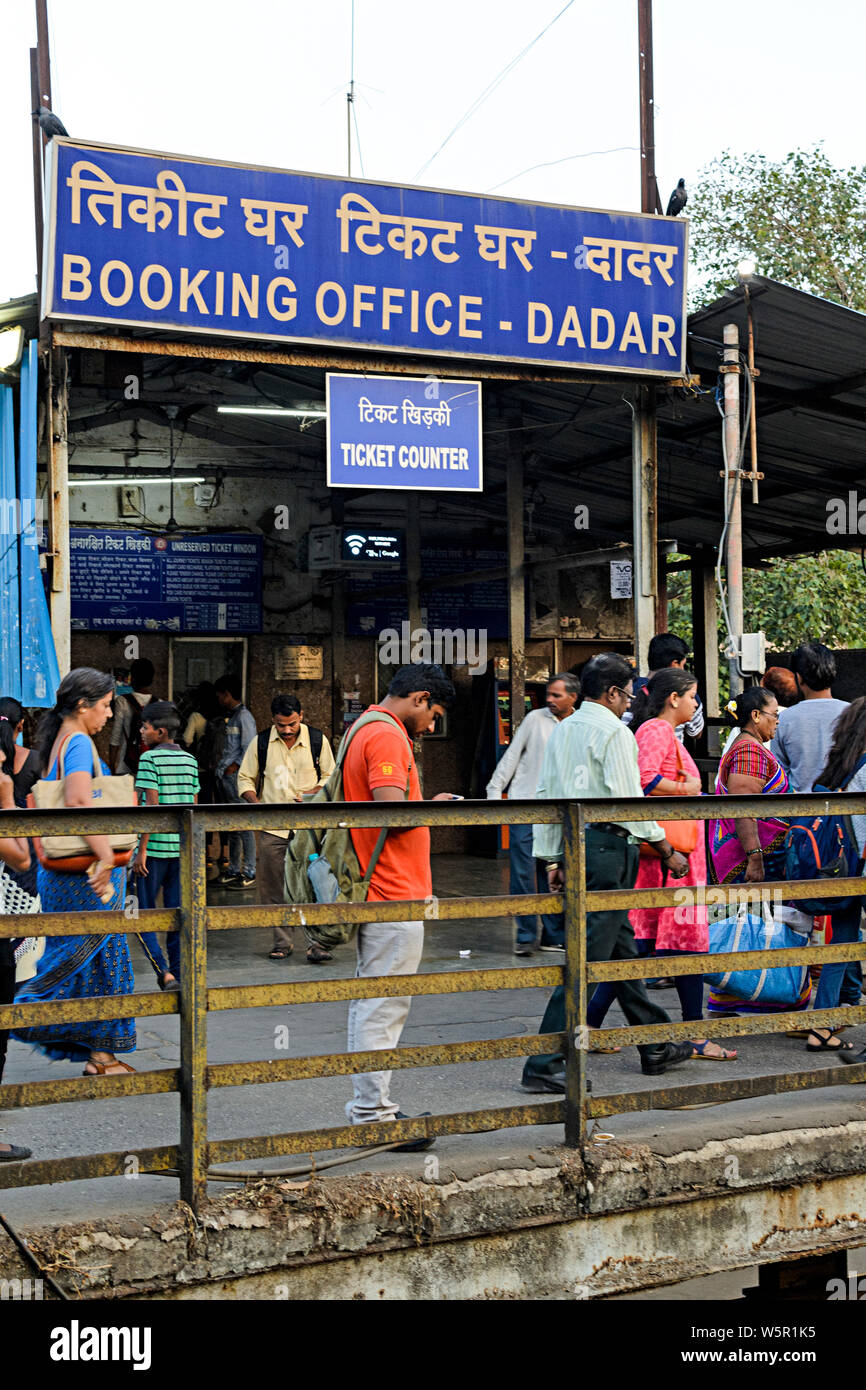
(825, 1045)
(317, 955)
(279, 953)
(172, 986)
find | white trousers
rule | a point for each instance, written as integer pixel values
(384, 948)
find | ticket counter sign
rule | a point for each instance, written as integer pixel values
(416, 433)
(187, 245)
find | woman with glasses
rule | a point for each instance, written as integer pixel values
(749, 849)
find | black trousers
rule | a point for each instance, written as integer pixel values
(7, 990)
(611, 862)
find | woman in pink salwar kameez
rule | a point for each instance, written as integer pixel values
(668, 769)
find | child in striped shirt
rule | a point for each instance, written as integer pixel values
(167, 776)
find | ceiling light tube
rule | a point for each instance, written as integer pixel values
(269, 410)
(130, 481)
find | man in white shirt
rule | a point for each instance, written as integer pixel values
(517, 773)
(593, 754)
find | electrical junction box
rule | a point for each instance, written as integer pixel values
(753, 653)
(130, 501)
(323, 546)
(204, 494)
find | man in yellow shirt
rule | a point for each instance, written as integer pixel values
(283, 764)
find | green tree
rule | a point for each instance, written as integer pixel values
(800, 219)
(808, 597)
(803, 222)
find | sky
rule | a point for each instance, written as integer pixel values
(264, 82)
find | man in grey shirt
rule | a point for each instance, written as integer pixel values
(805, 731)
(239, 734)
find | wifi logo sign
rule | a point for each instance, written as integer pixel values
(356, 543)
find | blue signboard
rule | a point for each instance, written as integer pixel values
(163, 241)
(482, 606)
(404, 432)
(136, 581)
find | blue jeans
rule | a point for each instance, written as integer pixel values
(242, 843)
(528, 875)
(164, 874)
(840, 983)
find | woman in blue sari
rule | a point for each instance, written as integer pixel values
(80, 967)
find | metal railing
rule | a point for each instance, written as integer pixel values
(192, 1157)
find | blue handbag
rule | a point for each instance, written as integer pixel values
(747, 932)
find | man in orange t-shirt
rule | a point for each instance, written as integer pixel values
(378, 766)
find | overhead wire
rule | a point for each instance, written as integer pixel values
(549, 163)
(490, 89)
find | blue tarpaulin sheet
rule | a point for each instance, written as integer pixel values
(28, 661)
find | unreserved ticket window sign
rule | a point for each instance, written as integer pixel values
(414, 433)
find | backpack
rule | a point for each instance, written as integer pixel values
(335, 847)
(263, 739)
(822, 847)
(212, 744)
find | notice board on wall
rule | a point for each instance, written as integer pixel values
(479, 605)
(140, 581)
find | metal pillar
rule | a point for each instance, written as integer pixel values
(413, 585)
(576, 1029)
(753, 416)
(649, 193)
(733, 494)
(644, 475)
(339, 599)
(705, 639)
(58, 494)
(516, 588)
(37, 164)
(193, 1012)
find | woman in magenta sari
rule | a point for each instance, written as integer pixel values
(749, 849)
(667, 769)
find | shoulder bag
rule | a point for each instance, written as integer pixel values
(71, 853)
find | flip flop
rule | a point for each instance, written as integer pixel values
(700, 1050)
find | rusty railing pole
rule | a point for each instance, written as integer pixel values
(574, 904)
(193, 1011)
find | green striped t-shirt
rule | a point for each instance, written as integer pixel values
(173, 774)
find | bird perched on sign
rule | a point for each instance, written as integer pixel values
(49, 123)
(677, 200)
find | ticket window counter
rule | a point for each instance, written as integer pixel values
(192, 660)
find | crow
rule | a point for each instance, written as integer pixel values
(677, 200)
(51, 124)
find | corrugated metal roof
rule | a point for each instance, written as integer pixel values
(576, 437)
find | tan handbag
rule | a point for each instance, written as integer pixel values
(109, 793)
